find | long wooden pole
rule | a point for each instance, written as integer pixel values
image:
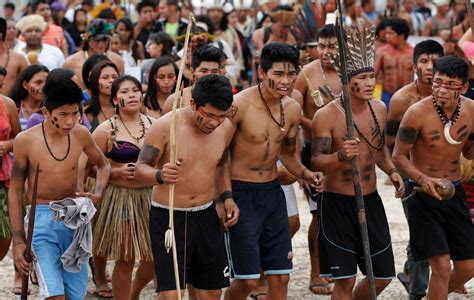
(29, 234)
(170, 241)
(355, 161)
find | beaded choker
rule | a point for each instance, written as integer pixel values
(443, 116)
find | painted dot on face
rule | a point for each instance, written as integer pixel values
(55, 119)
(57, 126)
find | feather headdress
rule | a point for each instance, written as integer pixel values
(360, 50)
(306, 28)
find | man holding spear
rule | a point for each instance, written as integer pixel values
(333, 148)
(199, 175)
(57, 143)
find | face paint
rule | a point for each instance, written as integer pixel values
(271, 83)
(33, 90)
(55, 119)
(122, 103)
(57, 126)
(199, 120)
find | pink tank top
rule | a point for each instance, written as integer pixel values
(5, 130)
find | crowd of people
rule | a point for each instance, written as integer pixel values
(125, 154)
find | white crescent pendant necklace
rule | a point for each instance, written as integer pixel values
(448, 122)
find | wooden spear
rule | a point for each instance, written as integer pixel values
(170, 241)
(355, 161)
(29, 234)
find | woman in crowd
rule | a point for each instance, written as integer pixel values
(131, 50)
(162, 81)
(121, 228)
(100, 84)
(78, 26)
(28, 91)
(9, 128)
(160, 44)
(38, 117)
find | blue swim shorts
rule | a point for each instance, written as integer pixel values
(50, 241)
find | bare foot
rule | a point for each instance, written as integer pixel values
(461, 290)
(260, 293)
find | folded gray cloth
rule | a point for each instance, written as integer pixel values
(76, 214)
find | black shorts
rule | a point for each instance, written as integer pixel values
(440, 227)
(312, 194)
(206, 258)
(340, 242)
(261, 239)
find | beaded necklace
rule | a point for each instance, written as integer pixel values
(443, 116)
(280, 124)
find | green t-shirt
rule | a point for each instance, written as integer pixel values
(172, 29)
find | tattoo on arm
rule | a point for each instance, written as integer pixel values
(148, 155)
(321, 145)
(391, 128)
(18, 172)
(407, 135)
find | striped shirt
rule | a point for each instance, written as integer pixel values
(53, 35)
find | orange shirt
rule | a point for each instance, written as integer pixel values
(53, 35)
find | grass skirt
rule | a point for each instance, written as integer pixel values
(123, 220)
(5, 229)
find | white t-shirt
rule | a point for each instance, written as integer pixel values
(49, 56)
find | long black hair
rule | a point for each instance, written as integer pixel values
(94, 106)
(129, 28)
(151, 101)
(18, 92)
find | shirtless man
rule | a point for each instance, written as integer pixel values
(282, 19)
(416, 274)
(440, 21)
(56, 145)
(325, 81)
(339, 239)
(201, 178)
(394, 60)
(266, 127)
(13, 62)
(205, 60)
(97, 40)
(432, 135)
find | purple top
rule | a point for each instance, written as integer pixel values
(123, 152)
(37, 117)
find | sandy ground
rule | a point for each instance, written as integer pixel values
(298, 287)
